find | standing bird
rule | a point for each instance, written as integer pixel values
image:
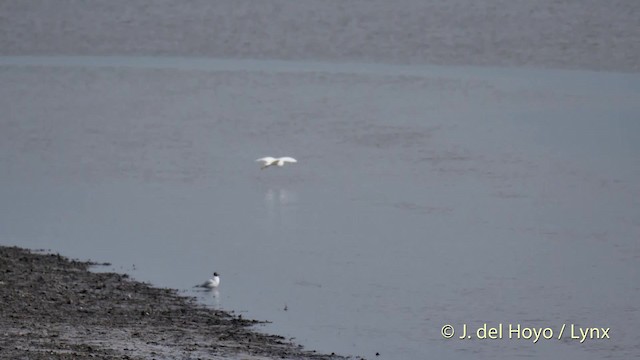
(268, 161)
(211, 283)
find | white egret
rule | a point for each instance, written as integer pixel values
(268, 161)
(211, 283)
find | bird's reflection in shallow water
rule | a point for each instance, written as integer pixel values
(214, 295)
(279, 196)
(280, 205)
(210, 297)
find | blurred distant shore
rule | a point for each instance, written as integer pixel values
(591, 35)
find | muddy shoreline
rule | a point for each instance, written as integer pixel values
(55, 308)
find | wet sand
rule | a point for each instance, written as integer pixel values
(55, 308)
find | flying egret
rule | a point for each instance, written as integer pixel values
(211, 283)
(268, 161)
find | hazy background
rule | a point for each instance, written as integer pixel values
(429, 190)
(587, 34)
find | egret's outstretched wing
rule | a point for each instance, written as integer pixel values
(288, 159)
(267, 159)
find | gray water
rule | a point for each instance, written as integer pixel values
(423, 195)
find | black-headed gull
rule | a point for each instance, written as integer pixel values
(268, 161)
(211, 283)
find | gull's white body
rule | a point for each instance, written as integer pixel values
(268, 161)
(212, 283)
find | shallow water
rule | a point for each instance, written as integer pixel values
(423, 195)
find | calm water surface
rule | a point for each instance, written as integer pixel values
(423, 196)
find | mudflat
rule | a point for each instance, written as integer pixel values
(55, 308)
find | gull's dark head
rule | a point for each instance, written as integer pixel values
(215, 274)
